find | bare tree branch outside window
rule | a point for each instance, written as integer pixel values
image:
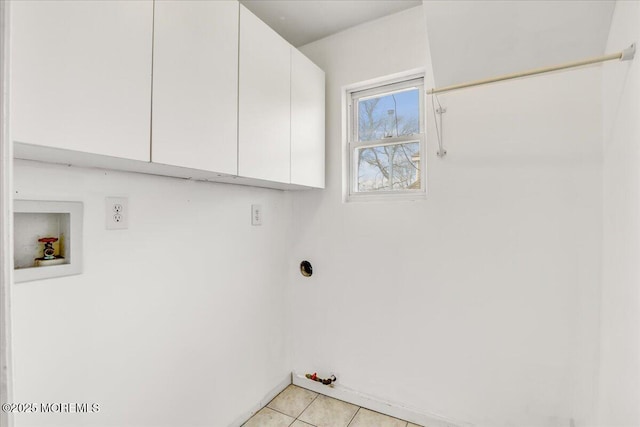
(389, 166)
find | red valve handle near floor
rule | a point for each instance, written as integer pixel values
(325, 381)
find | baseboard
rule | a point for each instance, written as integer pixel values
(263, 402)
(392, 409)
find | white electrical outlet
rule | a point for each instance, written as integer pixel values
(256, 214)
(117, 213)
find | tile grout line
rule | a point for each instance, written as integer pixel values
(274, 410)
(406, 423)
(354, 416)
(307, 407)
(280, 412)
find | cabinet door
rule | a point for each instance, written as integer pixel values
(81, 75)
(264, 103)
(195, 85)
(307, 122)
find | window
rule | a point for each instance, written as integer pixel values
(386, 142)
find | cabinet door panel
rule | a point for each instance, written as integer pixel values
(307, 122)
(81, 75)
(195, 85)
(264, 102)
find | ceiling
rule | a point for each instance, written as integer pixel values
(468, 39)
(303, 21)
(471, 40)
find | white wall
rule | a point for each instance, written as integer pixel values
(619, 397)
(481, 302)
(6, 209)
(177, 321)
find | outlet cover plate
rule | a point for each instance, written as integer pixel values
(116, 213)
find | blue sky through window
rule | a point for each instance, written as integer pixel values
(389, 115)
(389, 167)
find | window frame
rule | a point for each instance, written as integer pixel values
(379, 88)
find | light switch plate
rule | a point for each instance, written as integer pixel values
(256, 214)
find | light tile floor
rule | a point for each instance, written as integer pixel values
(299, 407)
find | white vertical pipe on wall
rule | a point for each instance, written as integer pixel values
(6, 217)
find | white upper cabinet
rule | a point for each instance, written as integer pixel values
(81, 75)
(195, 85)
(188, 88)
(307, 122)
(264, 102)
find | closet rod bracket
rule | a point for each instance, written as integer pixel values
(628, 53)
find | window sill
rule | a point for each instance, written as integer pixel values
(386, 197)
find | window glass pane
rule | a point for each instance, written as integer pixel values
(388, 167)
(389, 115)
